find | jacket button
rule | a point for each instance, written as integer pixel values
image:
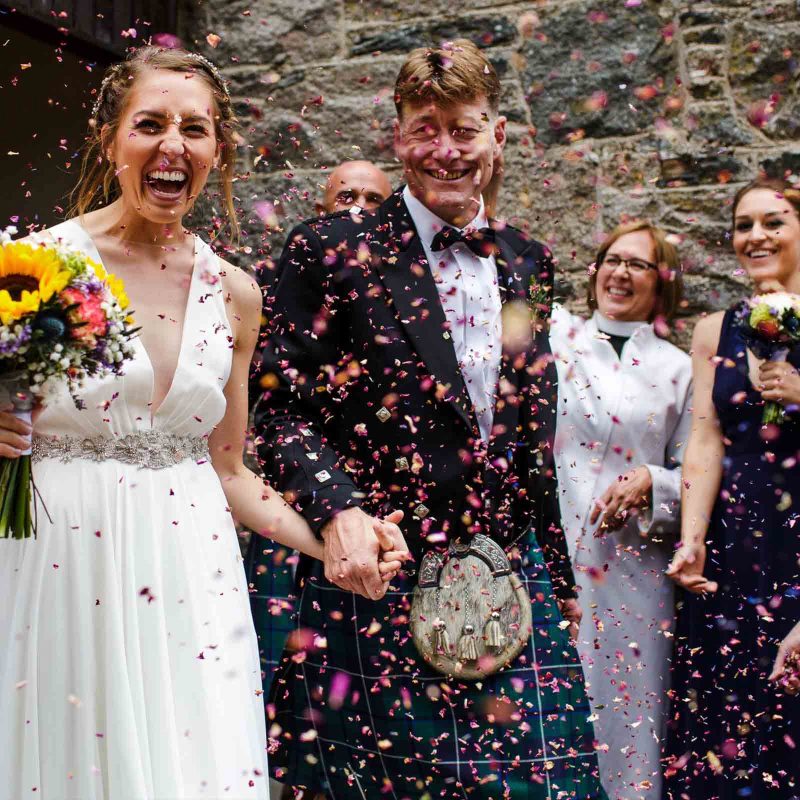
(401, 463)
(383, 413)
(421, 511)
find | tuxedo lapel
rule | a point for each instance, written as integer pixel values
(510, 274)
(407, 276)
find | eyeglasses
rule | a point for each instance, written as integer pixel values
(633, 265)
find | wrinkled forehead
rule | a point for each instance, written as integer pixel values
(474, 111)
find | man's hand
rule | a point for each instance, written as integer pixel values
(353, 542)
(571, 611)
(625, 496)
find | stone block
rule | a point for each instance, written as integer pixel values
(707, 89)
(698, 14)
(272, 33)
(689, 169)
(597, 70)
(776, 11)
(705, 62)
(781, 165)
(715, 123)
(709, 34)
(359, 11)
(484, 30)
(763, 74)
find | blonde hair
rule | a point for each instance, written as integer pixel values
(669, 289)
(456, 72)
(97, 183)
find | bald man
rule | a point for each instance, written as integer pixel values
(355, 183)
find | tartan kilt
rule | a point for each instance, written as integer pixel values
(356, 713)
(272, 600)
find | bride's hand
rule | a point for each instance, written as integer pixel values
(15, 434)
(393, 547)
(687, 567)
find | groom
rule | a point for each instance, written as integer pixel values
(390, 389)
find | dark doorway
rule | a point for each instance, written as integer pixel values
(45, 99)
(52, 57)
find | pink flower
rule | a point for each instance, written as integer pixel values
(87, 318)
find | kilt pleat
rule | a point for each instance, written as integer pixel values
(356, 713)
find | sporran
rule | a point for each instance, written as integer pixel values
(471, 614)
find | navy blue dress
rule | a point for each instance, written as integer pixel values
(732, 734)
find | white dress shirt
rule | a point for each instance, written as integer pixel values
(470, 296)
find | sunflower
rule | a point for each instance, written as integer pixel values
(115, 284)
(29, 276)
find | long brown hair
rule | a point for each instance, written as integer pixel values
(669, 289)
(97, 184)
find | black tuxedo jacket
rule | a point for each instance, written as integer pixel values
(362, 403)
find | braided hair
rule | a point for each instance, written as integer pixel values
(97, 183)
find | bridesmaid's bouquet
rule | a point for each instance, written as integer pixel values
(62, 320)
(770, 325)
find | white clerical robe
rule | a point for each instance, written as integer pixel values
(617, 413)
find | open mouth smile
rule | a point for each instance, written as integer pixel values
(616, 291)
(167, 183)
(444, 175)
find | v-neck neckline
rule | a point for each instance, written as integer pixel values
(138, 339)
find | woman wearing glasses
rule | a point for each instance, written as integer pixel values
(624, 395)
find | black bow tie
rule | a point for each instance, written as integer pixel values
(480, 241)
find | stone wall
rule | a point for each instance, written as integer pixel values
(616, 108)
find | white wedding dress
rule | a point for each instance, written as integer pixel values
(128, 661)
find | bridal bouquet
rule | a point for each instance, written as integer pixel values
(770, 325)
(62, 319)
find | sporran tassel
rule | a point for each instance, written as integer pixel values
(468, 645)
(441, 638)
(493, 633)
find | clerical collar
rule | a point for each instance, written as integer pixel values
(428, 224)
(615, 327)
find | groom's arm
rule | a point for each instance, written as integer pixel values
(302, 347)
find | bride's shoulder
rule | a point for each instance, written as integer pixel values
(240, 289)
(61, 233)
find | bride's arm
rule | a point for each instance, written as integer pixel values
(254, 504)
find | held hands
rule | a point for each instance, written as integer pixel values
(571, 611)
(786, 670)
(687, 566)
(624, 497)
(779, 381)
(353, 558)
(15, 434)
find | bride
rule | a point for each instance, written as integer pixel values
(128, 663)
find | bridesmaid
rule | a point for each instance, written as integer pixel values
(624, 398)
(733, 734)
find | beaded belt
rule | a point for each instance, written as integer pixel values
(151, 449)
